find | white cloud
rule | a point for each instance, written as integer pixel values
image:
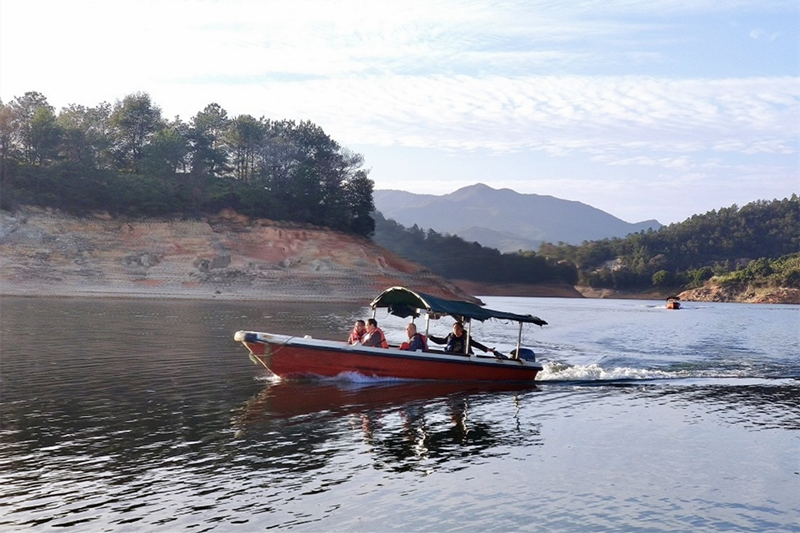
(615, 84)
(554, 114)
(760, 35)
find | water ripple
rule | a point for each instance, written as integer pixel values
(132, 416)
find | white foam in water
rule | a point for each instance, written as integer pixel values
(594, 372)
(356, 377)
(268, 378)
(351, 377)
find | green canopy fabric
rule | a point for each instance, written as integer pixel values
(404, 302)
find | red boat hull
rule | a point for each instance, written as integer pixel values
(297, 361)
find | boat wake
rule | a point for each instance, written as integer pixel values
(564, 372)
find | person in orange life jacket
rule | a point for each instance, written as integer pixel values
(454, 342)
(374, 336)
(357, 335)
(416, 341)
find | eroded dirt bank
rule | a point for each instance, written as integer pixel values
(46, 253)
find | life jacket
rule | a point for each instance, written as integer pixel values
(383, 344)
(406, 345)
(356, 337)
(455, 344)
(424, 342)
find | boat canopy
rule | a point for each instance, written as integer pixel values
(404, 302)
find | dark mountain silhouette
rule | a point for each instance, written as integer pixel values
(503, 218)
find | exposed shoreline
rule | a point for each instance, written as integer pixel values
(45, 253)
(782, 296)
(284, 295)
(542, 290)
(306, 295)
(227, 257)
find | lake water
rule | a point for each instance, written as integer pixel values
(145, 415)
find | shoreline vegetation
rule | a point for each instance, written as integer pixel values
(747, 254)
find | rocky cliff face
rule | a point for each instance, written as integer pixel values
(228, 256)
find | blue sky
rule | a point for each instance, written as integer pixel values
(645, 109)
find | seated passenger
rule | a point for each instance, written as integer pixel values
(374, 336)
(416, 341)
(357, 335)
(455, 341)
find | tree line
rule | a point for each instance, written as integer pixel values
(128, 159)
(759, 241)
(454, 258)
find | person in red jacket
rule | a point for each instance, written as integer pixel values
(358, 333)
(374, 336)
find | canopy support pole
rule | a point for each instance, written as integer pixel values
(469, 332)
(519, 341)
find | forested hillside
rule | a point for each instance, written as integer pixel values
(127, 159)
(453, 258)
(758, 244)
(758, 241)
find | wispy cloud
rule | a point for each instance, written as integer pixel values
(553, 114)
(759, 34)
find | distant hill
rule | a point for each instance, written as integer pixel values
(747, 254)
(504, 219)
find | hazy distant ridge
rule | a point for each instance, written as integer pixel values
(503, 218)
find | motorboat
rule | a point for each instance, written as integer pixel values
(292, 357)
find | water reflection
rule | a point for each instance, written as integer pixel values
(757, 404)
(402, 426)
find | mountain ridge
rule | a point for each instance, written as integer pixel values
(503, 218)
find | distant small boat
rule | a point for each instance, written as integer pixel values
(297, 357)
(673, 302)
